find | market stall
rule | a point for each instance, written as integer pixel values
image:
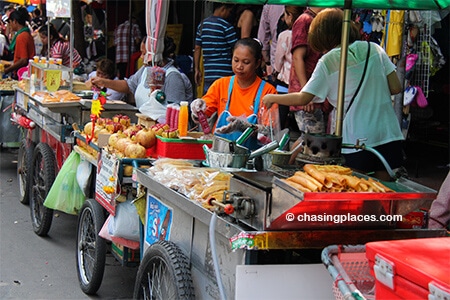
(223, 231)
(47, 114)
(229, 244)
(9, 134)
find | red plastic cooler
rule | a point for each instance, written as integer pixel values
(411, 269)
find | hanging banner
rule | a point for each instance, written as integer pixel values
(53, 80)
(59, 8)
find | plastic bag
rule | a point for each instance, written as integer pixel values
(125, 223)
(84, 172)
(65, 194)
(153, 108)
(270, 119)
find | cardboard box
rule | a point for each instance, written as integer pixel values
(411, 269)
(145, 121)
(127, 256)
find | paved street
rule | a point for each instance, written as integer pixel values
(32, 267)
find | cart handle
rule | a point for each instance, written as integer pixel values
(227, 208)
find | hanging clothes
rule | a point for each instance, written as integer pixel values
(395, 32)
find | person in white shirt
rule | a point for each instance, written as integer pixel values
(106, 69)
(371, 114)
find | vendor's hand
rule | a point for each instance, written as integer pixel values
(309, 107)
(88, 84)
(196, 106)
(98, 82)
(268, 100)
(234, 124)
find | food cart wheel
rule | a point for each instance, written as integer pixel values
(24, 162)
(42, 177)
(91, 248)
(164, 273)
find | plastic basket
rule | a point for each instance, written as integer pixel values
(350, 270)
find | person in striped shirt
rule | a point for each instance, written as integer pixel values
(214, 40)
(59, 47)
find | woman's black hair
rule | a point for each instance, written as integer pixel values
(169, 47)
(254, 45)
(54, 34)
(21, 15)
(255, 48)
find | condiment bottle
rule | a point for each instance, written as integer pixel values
(183, 119)
(168, 114)
(203, 122)
(173, 117)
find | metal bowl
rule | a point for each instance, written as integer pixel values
(223, 145)
(226, 160)
(84, 94)
(281, 158)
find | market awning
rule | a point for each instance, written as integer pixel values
(370, 4)
(21, 2)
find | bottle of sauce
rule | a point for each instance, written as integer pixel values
(183, 119)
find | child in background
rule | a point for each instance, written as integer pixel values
(106, 69)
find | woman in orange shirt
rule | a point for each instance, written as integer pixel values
(22, 43)
(237, 99)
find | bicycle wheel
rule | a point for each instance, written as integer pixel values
(42, 177)
(24, 165)
(164, 274)
(91, 248)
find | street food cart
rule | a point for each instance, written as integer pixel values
(48, 120)
(256, 222)
(255, 236)
(231, 244)
(9, 134)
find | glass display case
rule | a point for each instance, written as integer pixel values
(49, 76)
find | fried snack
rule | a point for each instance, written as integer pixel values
(304, 182)
(213, 189)
(334, 169)
(320, 176)
(313, 177)
(44, 97)
(335, 178)
(66, 96)
(296, 185)
(310, 178)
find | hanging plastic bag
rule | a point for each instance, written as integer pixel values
(84, 172)
(125, 223)
(154, 108)
(65, 194)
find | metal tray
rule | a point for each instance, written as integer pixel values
(360, 209)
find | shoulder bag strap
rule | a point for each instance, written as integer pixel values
(362, 78)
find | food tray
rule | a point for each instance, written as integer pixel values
(369, 206)
(350, 270)
(54, 104)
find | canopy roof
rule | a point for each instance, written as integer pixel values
(369, 4)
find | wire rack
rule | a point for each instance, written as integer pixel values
(350, 270)
(421, 75)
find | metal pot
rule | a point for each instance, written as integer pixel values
(224, 145)
(234, 160)
(281, 158)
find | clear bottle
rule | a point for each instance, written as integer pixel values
(183, 119)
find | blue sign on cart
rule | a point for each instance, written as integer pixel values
(159, 221)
